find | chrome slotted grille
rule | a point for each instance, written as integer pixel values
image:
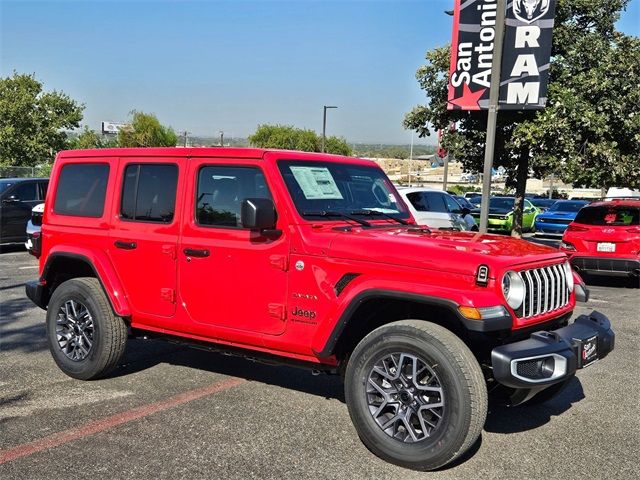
(546, 290)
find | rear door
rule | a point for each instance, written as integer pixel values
(144, 235)
(229, 276)
(17, 203)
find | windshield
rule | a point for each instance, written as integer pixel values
(505, 203)
(567, 206)
(609, 215)
(339, 187)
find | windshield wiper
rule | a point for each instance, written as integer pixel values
(382, 214)
(325, 213)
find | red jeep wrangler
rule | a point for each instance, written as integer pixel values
(311, 260)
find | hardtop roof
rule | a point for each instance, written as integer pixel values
(220, 152)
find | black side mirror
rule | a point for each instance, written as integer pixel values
(258, 214)
(465, 211)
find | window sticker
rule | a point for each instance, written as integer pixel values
(316, 183)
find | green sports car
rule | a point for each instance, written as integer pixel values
(501, 214)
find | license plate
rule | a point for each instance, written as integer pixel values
(606, 247)
(588, 351)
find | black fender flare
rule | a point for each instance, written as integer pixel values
(490, 325)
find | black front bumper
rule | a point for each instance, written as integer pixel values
(35, 291)
(552, 357)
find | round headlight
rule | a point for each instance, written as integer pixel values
(513, 289)
(568, 273)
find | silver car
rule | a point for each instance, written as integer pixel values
(437, 209)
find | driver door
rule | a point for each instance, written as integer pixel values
(230, 277)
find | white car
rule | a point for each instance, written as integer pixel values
(34, 225)
(437, 209)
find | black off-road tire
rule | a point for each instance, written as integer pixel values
(463, 388)
(109, 331)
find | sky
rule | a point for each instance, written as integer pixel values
(207, 66)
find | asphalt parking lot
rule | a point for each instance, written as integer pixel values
(173, 412)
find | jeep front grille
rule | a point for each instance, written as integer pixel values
(545, 290)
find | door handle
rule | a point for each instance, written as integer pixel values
(195, 252)
(125, 245)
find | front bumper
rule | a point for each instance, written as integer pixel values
(552, 357)
(35, 292)
(543, 228)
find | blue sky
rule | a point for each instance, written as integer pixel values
(206, 66)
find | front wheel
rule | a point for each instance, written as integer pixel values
(86, 338)
(415, 394)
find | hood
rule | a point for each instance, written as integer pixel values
(563, 215)
(458, 252)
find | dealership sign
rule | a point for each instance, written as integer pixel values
(525, 54)
(112, 128)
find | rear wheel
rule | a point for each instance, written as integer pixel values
(416, 394)
(86, 338)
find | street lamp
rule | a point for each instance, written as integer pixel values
(324, 125)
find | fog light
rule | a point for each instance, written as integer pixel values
(539, 369)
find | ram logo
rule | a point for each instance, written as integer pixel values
(529, 11)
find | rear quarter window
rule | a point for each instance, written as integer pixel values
(82, 189)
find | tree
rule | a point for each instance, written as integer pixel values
(33, 122)
(287, 137)
(145, 130)
(589, 133)
(90, 139)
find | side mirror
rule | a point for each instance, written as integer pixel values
(258, 214)
(465, 211)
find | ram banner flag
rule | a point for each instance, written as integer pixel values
(474, 30)
(526, 54)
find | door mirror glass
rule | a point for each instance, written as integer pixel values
(258, 214)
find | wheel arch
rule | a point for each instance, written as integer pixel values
(371, 309)
(62, 266)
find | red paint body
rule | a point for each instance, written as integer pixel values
(244, 294)
(585, 238)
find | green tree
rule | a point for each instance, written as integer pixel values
(145, 130)
(90, 139)
(33, 122)
(589, 133)
(287, 137)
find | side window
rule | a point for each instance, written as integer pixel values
(26, 192)
(81, 189)
(452, 205)
(149, 192)
(428, 202)
(221, 191)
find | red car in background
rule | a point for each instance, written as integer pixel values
(604, 238)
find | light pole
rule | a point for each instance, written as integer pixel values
(324, 125)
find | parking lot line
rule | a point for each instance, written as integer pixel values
(106, 423)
